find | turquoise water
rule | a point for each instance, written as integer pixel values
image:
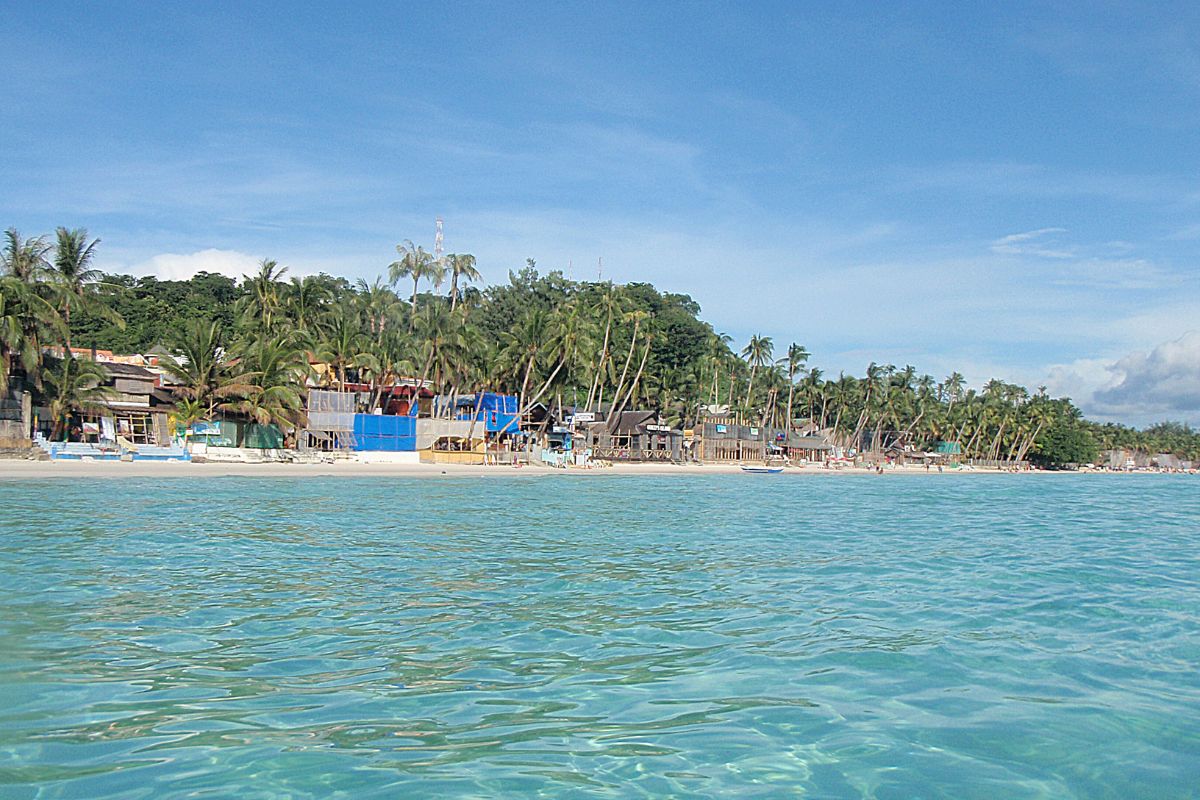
(584, 636)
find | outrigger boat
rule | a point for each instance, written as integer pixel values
(762, 470)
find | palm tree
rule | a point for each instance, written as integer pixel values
(74, 386)
(795, 360)
(15, 348)
(28, 319)
(443, 343)
(758, 353)
(636, 317)
(24, 259)
(522, 348)
(342, 341)
(415, 263)
(611, 304)
(386, 358)
(202, 366)
(305, 301)
(75, 278)
(187, 412)
(276, 371)
(954, 385)
(263, 300)
(378, 304)
(461, 267)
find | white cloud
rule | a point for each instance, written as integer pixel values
(1165, 380)
(1139, 388)
(1032, 243)
(179, 267)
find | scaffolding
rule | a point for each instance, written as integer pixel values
(330, 421)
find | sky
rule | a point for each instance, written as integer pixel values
(1011, 192)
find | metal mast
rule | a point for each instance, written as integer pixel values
(437, 240)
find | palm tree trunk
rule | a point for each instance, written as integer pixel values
(600, 366)
(525, 382)
(787, 423)
(412, 317)
(628, 358)
(542, 391)
(618, 409)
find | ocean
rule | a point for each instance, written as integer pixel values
(927, 636)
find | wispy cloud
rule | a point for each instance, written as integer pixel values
(1032, 243)
(1032, 180)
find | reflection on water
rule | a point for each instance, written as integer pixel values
(560, 636)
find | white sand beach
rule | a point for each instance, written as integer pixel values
(25, 470)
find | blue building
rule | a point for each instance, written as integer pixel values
(496, 412)
(385, 433)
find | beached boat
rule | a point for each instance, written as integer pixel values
(762, 470)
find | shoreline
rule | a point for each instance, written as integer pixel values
(25, 470)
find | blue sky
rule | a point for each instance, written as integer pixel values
(1013, 192)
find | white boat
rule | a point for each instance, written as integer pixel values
(762, 470)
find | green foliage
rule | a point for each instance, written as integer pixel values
(1065, 442)
(246, 345)
(153, 310)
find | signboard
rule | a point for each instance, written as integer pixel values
(206, 428)
(722, 429)
(659, 428)
(583, 416)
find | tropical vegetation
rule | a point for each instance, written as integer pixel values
(250, 347)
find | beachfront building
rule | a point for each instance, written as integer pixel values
(405, 422)
(720, 439)
(374, 424)
(812, 448)
(134, 414)
(634, 436)
(16, 416)
(492, 432)
(130, 422)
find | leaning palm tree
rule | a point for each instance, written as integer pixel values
(612, 305)
(415, 263)
(74, 386)
(461, 266)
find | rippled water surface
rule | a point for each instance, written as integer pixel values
(584, 636)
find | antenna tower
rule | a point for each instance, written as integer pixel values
(437, 240)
